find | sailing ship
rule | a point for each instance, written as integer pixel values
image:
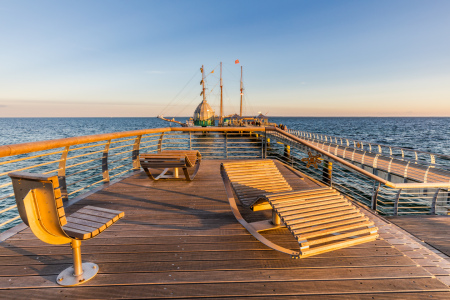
(204, 114)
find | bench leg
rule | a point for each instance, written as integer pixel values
(78, 273)
(276, 220)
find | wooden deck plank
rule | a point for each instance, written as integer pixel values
(231, 276)
(273, 288)
(433, 230)
(180, 240)
(196, 257)
(379, 296)
(184, 247)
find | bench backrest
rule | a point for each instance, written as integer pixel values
(171, 158)
(255, 178)
(40, 205)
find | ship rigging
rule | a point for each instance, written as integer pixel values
(204, 115)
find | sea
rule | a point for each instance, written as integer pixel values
(419, 133)
(425, 134)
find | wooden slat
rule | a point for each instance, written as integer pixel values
(106, 215)
(77, 233)
(107, 221)
(334, 230)
(326, 213)
(328, 225)
(298, 225)
(120, 214)
(100, 226)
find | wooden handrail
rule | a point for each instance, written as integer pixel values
(359, 170)
(16, 149)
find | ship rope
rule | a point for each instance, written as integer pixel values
(229, 105)
(171, 102)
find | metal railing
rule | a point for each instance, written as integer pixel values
(366, 186)
(87, 162)
(405, 154)
(83, 163)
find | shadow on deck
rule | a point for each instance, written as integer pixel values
(180, 240)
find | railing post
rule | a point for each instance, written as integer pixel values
(265, 143)
(433, 202)
(327, 172)
(105, 168)
(190, 140)
(226, 145)
(287, 150)
(135, 153)
(62, 174)
(262, 146)
(397, 199)
(432, 159)
(160, 142)
(375, 191)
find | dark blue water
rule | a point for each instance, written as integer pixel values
(426, 134)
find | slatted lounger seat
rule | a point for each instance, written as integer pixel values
(40, 206)
(320, 219)
(253, 179)
(168, 159)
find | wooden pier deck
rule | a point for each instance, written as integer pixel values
(433, 230)
(180, 240)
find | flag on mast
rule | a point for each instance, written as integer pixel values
(236, 61)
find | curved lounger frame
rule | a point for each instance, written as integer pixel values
(320, 219)
(253, 228)
(169, 159)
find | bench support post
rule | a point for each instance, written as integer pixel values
(276, 220)
(77, 263)
(78, 273)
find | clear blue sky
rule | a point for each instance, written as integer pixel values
(300, 58)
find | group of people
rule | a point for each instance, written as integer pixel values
(282, 126)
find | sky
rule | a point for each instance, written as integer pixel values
(109, 58)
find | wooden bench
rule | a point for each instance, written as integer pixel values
(320, 219)
(40, 206)
(171, 159)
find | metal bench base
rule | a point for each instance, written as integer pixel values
(67, 277)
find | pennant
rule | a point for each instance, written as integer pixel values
(212, 71)
(201, 70)
(201, 93)
(236, 61)
(201, 81)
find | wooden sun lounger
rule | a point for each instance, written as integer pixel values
(321, 219)
(171, 159)
(40, 206)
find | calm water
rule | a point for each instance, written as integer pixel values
(426, 134)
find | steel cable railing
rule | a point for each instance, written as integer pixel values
(84, 163)
(368, 185)
(405, 154)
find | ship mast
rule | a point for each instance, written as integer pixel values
(203, 83)
(221, 97)
(242, 93)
